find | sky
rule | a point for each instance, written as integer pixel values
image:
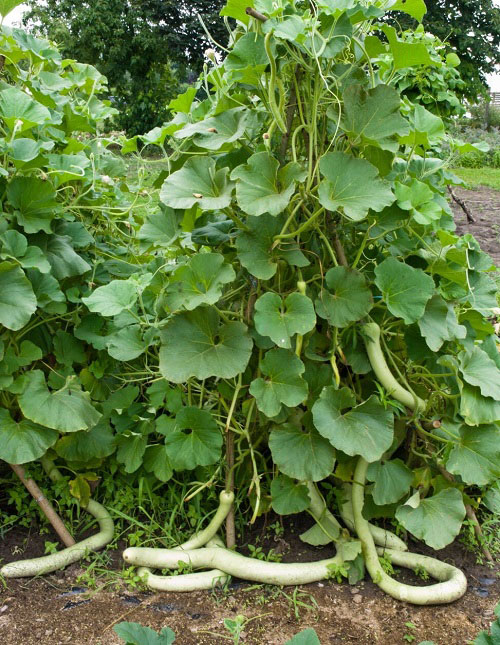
(493, 79)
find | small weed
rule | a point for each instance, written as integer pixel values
(50, 547)
(235, 627)
(259, 554)
(409, 637)
(385, 563)
(301, 600)
(337, 572)
(421, 573)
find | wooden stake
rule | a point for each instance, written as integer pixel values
(45, 506)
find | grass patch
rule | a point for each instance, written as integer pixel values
(475, 177)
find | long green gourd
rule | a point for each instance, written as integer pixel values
(229, 562)
(453, 582)
(382, 371)
(201, 579)
(61, 559)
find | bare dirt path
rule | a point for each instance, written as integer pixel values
(484, 204)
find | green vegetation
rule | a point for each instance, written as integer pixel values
(472, 30)
(136, 634)
(475, 177)
(272, 313)
(147, 50)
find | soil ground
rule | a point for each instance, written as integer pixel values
(58, 609)
(484, 204)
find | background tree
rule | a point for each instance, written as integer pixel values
(472, 28)
(146, 48)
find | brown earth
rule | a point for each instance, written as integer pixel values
(58, 609)
(484, 205)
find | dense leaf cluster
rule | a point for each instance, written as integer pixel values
(145, 49)
(304, 204)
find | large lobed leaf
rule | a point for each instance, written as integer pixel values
(365, 429)
(195, 344)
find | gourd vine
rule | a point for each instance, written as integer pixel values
(295, 323)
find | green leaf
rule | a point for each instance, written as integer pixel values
(427, 129)
(254, 246)
(306, 637)
(256, 250)
(126, 344)
(352, 185)
(301, 453)
(418, 198)
(373, 115)
(482, 294)
(24, 441)
(288, 497)
(96, 443)
(392, 480)
(67, 410)
(17, 299)
(439, 323)
(477, 409)
(262, 188)
(199, 282)
(14, 244)
(68, 349)
(157, 461)
(160, 227)
(213, 233)
(347, 300)
(405, 289)
(197, 182)
(6, 6)
(183, 102)
(491, 498)
(195, 440)
(213, 132)
(236, 9)
(131, 449)
(282, 382)
(195, 344)
(112, 298)
(479, 369)
(136, 634)
(25, 150)
(476, 456)
(63, 259)
(247, 60)
(436, 520)
(34, 258)
(66, 168)
(280, 320)
(21, 111)
(406, 54)
(34, 201)
(414, 8)
(366, 429)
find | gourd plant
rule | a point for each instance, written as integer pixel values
(321, 315)
(56, 178)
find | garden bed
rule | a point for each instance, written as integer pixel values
(60, 609)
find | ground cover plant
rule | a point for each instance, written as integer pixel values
(56, 177)
(296, 324)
